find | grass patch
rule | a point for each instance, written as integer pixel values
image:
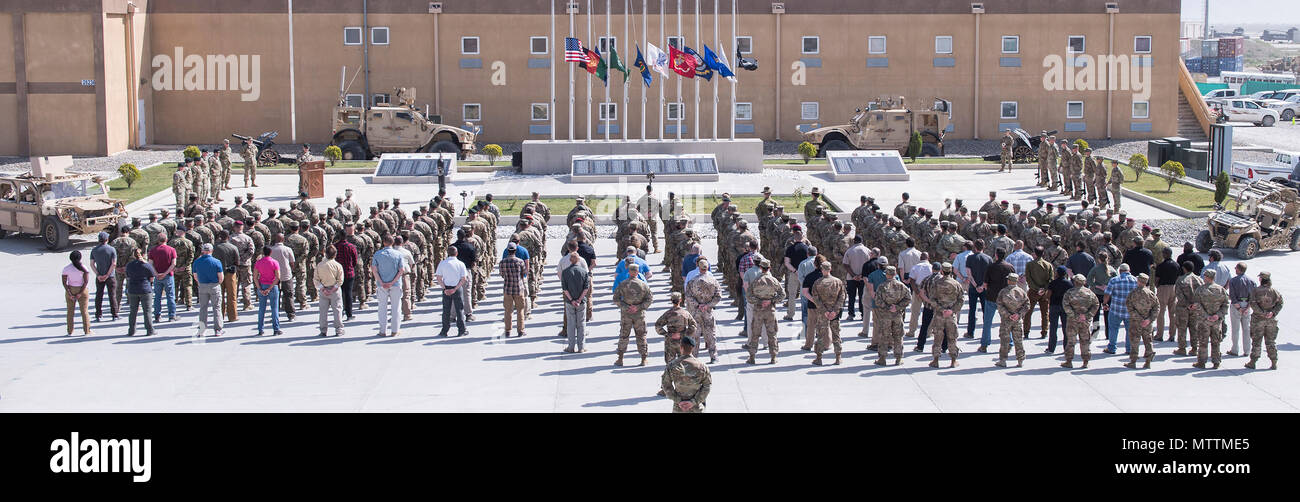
(560, 206)
(1184, 196)
(152, 180)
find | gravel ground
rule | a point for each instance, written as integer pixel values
(1178, 231)
(109, 164)
(1282, 136)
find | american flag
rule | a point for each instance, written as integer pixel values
(573, 51)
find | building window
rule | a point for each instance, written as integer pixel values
(604, 44)
(676, 111)
(1076, 44)
(1142, 45)
(379, 35)
(379, 99)
(1074, 109)
(744, 111)
(943, 44)
(471, 111)
(812, 45)
(469, 45)
(609, 111)
(1141, 109)
(1010, 110)
(1011, 44)
(809, 110)
(541, 111)
(675, 42)
(352, 35)
(354, 100)
(539, 45)
(745, 45)
(876, 45)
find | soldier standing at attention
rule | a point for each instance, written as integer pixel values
(1080, 304)
(633, 297)
(828, 295)
(675, 325)
(301, 252)
(1044, 179)
(1008, 143)
(1184, 312)
(686, 380)
(250, 162)
(303, 157)
(890, 300)
(223, 155)
(1212, 302)
(1143, 309)
(1100, 183)
(247, 249)
(762, 296)
(945, 296)
(180, 186)
(214, 173)
(1116, 181)
(1013, 306)
(1265, 303)
(702, 295)
(649, 206)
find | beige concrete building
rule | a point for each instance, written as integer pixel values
(101, 76)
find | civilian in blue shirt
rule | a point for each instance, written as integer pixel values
(1080, 262)
(977, 264)
(621, 274)
(208, 275)
(1116, 305)
(388, 267)
(139, 288)
(520, 252)
(688, 262)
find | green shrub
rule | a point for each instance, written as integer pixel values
(807, 151)
(492, 151)
(1082, 144)
(1221, 186)
(914, 146)
(1173, 170)
(1139, 164)
(333, 153)
(130, 173)
(192, 152)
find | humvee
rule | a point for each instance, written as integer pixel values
(56, 206)
(365, 132)
(1265, 219)
(886, 125)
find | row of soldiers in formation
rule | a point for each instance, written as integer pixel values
(1072, 170)
(198, 181)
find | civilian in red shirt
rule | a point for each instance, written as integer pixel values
(163, 259)
(346, 255)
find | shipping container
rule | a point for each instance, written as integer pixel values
(1193, 64)
(1209, 71)
(1208, 64)
(1229, 47)
(1209, 48)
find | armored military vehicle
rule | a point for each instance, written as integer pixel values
(1265, 219)
(56, 206)
(886, 124)
(365, 132)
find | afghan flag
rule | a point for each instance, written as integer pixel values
(682, 63)
(595, 65)
(616, 63)
(701, 70)
(641, 66)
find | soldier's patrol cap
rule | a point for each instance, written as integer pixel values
(763, 263)
(946, 267)
(726, 197)
(250, 195)
(816, 190)
(767, 190)
(1079, 278)
(1087, 149)
(1123, 212)
(1265, 276)
(686, 340)
(1012, 277)
(1065, 141)
(891, 270)
(825, 265)
(1043, 133)
(1144, 277)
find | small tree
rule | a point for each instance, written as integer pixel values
(914, 146)
(807, 151)
(1221, 186)
(191, 152)
(333, 153)
(1139, 164)
(492, 151)
(1082, 144)
(1173, 171)
(130, 174)
(798, 195)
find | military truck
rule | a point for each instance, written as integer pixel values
(1265, 218)
(365, 132)
(886, 124)
(57, 206)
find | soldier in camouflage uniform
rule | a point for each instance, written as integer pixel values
(1007, 144)
(1116, 182)
(828, 296)
(945, 296)
(686, 381)
(702, 295)
(214, 176)
(633, 298)
(243, 242)
(650, 207)
(1212, 308)
(1185, 320)
(1088, 176)
(1265, 304)
(185, 255)
(1080, 305)
(250, 162)
(888, 305)
(674, 325)
(181, 186)
(1013, 306)
(125, 247)
(763, 295)
(1143, 310)
(301, 254)
(223, 155)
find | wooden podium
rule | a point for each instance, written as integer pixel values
(313, 178)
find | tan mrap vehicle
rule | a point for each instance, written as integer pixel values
(886, 124)
(1266, 218)
(362, 133)
(54, 205)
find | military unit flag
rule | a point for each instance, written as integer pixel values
(685, 62)
(641, 67)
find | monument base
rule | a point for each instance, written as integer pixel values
(556, 157)
(866, 165)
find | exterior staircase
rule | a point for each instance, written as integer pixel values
(1193, 114)
(1188, 125)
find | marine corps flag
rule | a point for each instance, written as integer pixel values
(702, 70)
(641, 66)
(682, 63)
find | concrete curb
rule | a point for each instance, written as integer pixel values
(1160, 204)
(910, 167)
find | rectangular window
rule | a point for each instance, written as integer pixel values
(1011, 44)
(1141, 109)
(1074, 109)
(541, 111)
(745, 45)
(604, 44)
(812, 45)
(744, 111)
(1076, 44)
(352, 35)
(809, 110)
(876, 45)
(1142, 45)
(379, 35)
(609, 111)
(355, 100)
(539, 45)
(380, 99)
(471, 111)
(943, 44)
(469, 45)
(1010, 110)
(675, 42)
(675, 111)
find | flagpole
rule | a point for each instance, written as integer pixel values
(550, 45)
(681, 104)
(697, 80)
(590, 39)
(627, 4)
(663, 80)
(645, 39)
(735, 64)
(715, 82)
(571, 70)
(609, 49)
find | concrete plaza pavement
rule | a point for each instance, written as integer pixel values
(43, 370)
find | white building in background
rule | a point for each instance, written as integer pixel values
(1192, 29)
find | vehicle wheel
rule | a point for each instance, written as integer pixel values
(1267, 121)
(3, 233)
(443, 146)
(1247, 248)
(54, 233)
(1203, 242)
(930, 150)
(832, 145)
(1221, 119)
(1295, 240)
(267, 158)
(1287, 114)
(352, 151)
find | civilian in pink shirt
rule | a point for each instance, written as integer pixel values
(266, 273)
(75, 277)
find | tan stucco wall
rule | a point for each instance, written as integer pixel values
(115, 83)
(60, 48)
(62, 124)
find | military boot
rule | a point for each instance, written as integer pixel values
(1020, 362)
(1199, 364)
(837, 359)
(934, 363)
(1216, 365)
(1180, 352)
(642, 361)
(818, 360)
(898, 360)
(1130, 364)
(1146, 365)
(619, 362)
(1001, 363)
(1274, 365)
(773, 361)
(880, 361)
(1085, 362)
(1251, 364)
(952, 361)
(750, 360)
(1067, 364)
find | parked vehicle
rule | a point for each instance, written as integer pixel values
(1287, 107)
(1265, 219)
(1220, 93)
(365, 132)
(886, 125)
(57, 206)
(1284, 169)
(1245, 110)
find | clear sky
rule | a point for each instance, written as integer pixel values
(1243, 11)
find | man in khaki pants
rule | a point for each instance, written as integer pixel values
(514, 284)
(329, 282)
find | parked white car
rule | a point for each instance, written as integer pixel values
(1286, 108)
(1220, 93)
(1284, 169)
(1245, 110)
